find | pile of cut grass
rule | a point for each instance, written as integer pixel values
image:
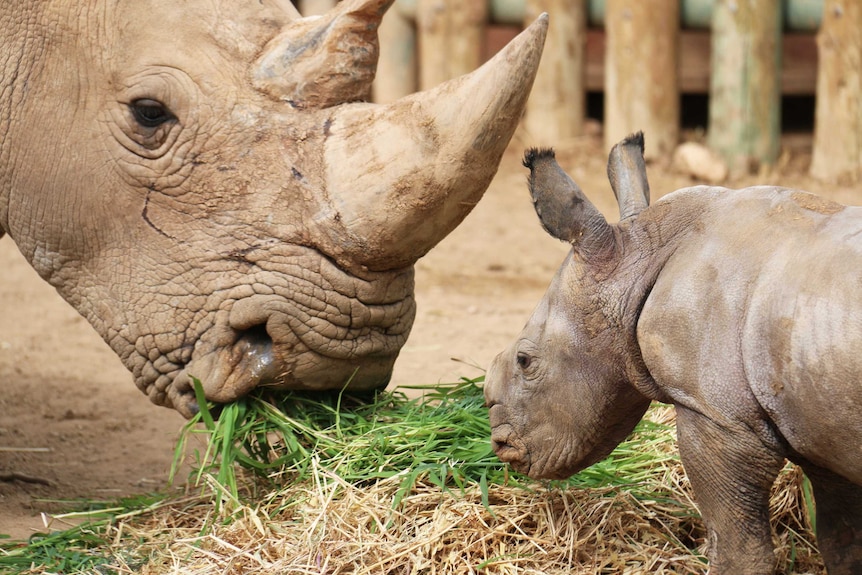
(337, 484)
(441, 436)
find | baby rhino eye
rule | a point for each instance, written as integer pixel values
(523, 360)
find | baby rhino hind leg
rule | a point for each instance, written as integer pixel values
(731, 472)
(839, 520)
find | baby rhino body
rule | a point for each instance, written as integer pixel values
(742, 308)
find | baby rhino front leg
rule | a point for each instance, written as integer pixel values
(732, 473)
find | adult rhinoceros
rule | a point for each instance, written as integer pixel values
(742, 308)
(204, 183)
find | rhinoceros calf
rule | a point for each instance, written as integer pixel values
(742, 308)
(203, 181)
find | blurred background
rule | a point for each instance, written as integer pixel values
(731, 77)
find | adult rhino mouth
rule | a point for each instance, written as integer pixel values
(316, 328)
(228, 372)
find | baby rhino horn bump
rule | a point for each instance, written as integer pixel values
(322, 61)
(627, 174)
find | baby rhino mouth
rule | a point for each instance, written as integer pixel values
(510, 448)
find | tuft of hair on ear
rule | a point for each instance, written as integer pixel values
(637, 139)
(533, 154)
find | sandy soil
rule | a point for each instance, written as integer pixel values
(72, 421)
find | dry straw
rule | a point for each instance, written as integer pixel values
(336, 527)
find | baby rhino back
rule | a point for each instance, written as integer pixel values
(802, 337)
(760, 310)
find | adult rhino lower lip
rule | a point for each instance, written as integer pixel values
(233, 371)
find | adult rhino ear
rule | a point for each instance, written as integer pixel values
(627, 174)
(322, 61)
(563, 209)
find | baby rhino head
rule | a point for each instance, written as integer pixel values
(560, 396)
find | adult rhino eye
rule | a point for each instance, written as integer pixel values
(523, 360)
(150, 113)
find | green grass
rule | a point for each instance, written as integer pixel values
(442, 437)
(78, 549)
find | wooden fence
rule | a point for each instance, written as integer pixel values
(643, 54)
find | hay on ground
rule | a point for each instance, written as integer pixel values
(334, 527)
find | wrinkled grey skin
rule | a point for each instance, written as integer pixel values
(742, 308)
(203, 181)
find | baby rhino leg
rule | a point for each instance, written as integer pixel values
(839, 520)
(731, 472)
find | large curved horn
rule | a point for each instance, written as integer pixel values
(321, 61)
(400, 177)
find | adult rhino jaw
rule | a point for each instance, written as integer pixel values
(347, 334)
(401, 176)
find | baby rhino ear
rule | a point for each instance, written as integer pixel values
(627, 174)
(563, 209)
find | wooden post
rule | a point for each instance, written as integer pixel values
(451, 33)
(838, 112)
(396, 66)
(468, 21)
(315, 7)
(432, 33)
(641, 86)
(557, 104)
(745, 90)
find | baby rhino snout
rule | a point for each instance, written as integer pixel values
(493, 382)
(505, 440)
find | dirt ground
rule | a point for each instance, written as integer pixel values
(74, 426)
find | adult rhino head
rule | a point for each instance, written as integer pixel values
(742, 308)
(204, 183)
